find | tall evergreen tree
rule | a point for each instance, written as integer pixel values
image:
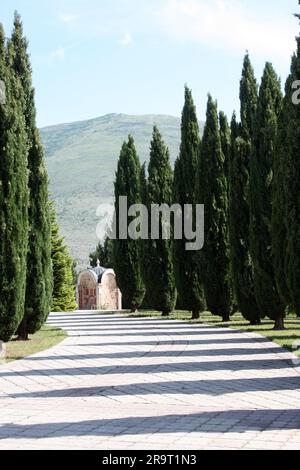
(13, 197)
(147, 301)
(248, 99)
(63, 285)
(144, 185)
(234, 134)
(239, 210)
(127, 251)
(212, 192)
(279, 225)
(103, 253)
(225, 141)
(186, 263)
(158, 254)
(261, 181)
(39, 265)
(291, 146)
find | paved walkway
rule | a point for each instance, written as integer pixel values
(130, 383)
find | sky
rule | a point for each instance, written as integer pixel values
(96, 57)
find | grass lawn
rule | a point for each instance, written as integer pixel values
(286, 338)
(44, 339)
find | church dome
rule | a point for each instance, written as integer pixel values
(99, 271)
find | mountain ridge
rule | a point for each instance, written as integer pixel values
(81, 159)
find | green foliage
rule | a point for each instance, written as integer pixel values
(186, 263)
(158, 272)
(74, 273)
(212, 192)
(13, 197)
(291, 147)
(95, 145)
(225, 136)
(248, 99)
(239, 210)
(103, 253)
(261, 183)
(127, 253)
(39, 265)
(241, 263)
(63, 285)
(280, 195)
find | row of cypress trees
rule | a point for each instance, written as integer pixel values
(25, 266)
(286, 196)
(246, 174)
(26, 232)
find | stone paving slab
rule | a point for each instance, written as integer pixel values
(130, 383)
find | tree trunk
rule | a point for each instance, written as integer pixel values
(226, 317)
(255, 322)
(165, 313)
(22, 331)
(279, 323)
(195, 315)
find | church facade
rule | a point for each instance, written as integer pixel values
(97, 289)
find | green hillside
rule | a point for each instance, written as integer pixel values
(82, 158)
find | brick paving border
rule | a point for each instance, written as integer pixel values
(144, 383)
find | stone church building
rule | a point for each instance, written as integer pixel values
(97, 289)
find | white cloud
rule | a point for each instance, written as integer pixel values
(68, 19)
(227, 25)
(58, 54)
(126, 40)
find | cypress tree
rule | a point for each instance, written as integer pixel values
(98, 254)
(279, 225)
(147, 305)
(63, 285)
(248, 99)
(127, 253)
(186, 263)
(74, 273)
(13, 197)
(225, 141)
(234, 134)
(158, 254)
(144, 186)
(239, 210)
(103, 253)
(39, 265)
(291, 146)
(261, 181)
(212, 191)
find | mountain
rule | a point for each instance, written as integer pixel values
(82, 157)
